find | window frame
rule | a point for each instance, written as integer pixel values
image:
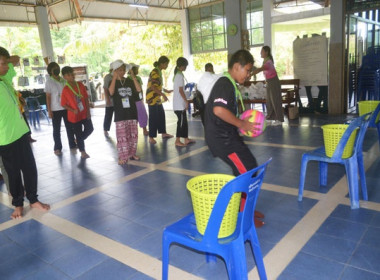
(210, 32)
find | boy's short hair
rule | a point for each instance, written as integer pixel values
(51, 66)
(67, 70)
(208, 65)
(4, 52)
(243, 57)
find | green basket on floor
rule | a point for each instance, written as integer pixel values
(368, 106)
(332, 133)
(204, 190)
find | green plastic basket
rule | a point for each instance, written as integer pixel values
(368, 106)
(204, 190)
(332, 133)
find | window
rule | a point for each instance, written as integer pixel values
(207, 28)
(255, 22)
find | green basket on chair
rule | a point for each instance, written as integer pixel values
(368, 106)
(204, 190)
(332, 133)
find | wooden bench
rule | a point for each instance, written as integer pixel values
(289, 89)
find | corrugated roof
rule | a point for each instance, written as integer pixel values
(64, 12)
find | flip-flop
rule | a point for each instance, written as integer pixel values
(135, 157)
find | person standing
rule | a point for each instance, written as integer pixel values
(8, 78)
(221, 121)
(15, 151)
(142, 116)
(154, 95)
(125, 93)
(109, 103)
(53, 88)
(75, 100)
(275, 113)
(180, 103)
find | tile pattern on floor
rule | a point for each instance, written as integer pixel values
(127, 208)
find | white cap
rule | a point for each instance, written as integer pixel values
(118, 63)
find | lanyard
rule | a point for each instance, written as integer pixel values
(237, 91)
(76, 93)
(61, 80)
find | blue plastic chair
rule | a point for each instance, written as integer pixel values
(352, 164)
(374, 123)
(231, 248)
(191, 87)
(34, 109)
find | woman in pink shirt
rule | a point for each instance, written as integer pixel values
(275, 114)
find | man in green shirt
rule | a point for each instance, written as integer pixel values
(15, 149)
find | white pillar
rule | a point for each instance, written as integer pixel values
(267, 15)
(232, 10)
(44, 32)
(186, 42)
(336, 58)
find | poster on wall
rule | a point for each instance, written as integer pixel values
(310, 57)
(61, 59)
(25, 61)
(36, 60)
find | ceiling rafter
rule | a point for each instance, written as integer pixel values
(60, 11)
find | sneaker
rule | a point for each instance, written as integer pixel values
(275, 123)
(268, 122)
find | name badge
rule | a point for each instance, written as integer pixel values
(125, 102)
(80, 106)
(140, 95)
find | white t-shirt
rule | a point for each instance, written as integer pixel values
(178, 103)
(206, 83)
(55, 88)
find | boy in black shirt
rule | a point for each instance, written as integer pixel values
(221, 121)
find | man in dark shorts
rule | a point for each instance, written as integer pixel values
(221, 121)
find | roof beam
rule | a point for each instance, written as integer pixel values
(126, 3)
(122, 20)
(16, 4)
(78, 10)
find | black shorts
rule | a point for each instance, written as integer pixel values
(239, 158)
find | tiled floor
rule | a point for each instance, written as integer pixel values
(106, 221)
